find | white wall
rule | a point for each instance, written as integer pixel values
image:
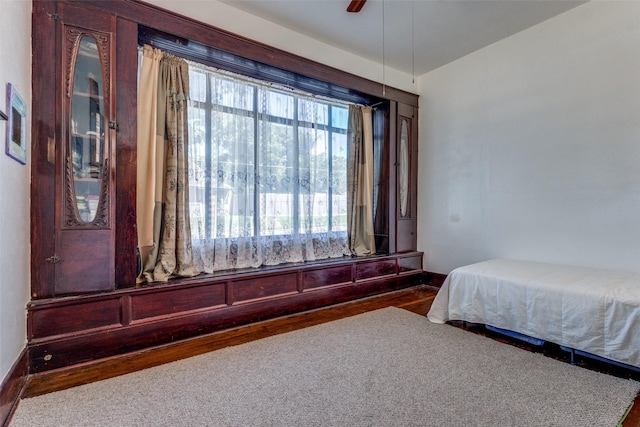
(236, 21)
(15, 68)
(530, 148)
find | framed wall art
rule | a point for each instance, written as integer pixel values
(16, 125)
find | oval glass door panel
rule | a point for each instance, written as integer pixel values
(87, 128)
(404, 167)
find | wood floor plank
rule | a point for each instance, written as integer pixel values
(633, 418)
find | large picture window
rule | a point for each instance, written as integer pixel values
(267, 173)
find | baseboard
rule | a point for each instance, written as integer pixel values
(12, 386)
(433, 279)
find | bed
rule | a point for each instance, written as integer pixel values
(591, 311)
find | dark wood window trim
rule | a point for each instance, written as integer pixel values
(187, 29)
(131, 16)
(181, 35)
(66, 330)
(229, 61)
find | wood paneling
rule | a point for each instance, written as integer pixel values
(328, 276)
(59, 352)
(86, 250)
(416, 299)
(69, 317)
(47, 129)
(78, 329)
(43, 151)
(263, 287)
(411, 263)
(86, 261)
(126, 82)
(67, 331)
(370, 269)
(167, 302)
(433, 279)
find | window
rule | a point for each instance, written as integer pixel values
(267, 178)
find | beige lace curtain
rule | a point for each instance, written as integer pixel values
(360, 181)
(164, 235)
(162, 206)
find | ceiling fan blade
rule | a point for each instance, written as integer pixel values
(356, 5)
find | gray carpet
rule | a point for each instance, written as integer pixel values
(388, 367)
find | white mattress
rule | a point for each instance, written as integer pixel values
(597, 311)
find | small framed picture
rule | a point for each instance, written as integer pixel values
(16, 125)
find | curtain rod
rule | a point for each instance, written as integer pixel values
(277, 86)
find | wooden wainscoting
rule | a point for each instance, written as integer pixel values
(433, 279)
(73, 330)
(416, 298)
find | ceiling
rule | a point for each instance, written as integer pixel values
(419, 35)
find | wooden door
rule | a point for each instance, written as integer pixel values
(73, 150)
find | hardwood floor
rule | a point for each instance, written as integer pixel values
(416, 299)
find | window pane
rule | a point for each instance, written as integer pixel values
(314, 180)
(339, 181)
(339, 117)
(230, 93)
(314, 112)
(197, 86)
(264, 163)
(277, 178)
(276, 104)
(339, 162)
(197, 171)
(233, 174)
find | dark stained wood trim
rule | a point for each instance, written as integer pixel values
(391, 143)
(356, 6)
(44, 150)
(187, 28)
(112, 340)
(76, 329)
(46, 128)
(12, 386)
(126, 153)
(433, 279)
(406, 227)
(385, 197)
(413, 298)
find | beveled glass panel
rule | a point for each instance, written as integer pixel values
(87, 142)
(404, 167)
